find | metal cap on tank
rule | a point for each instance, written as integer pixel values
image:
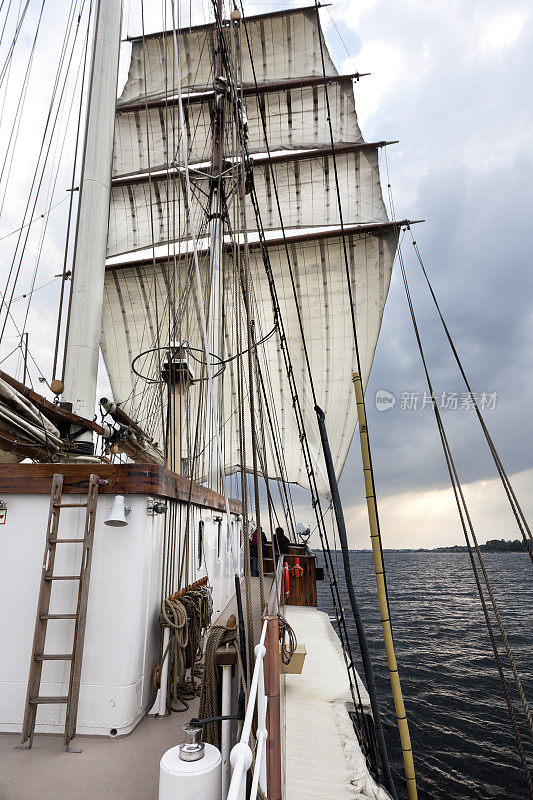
(193, 749)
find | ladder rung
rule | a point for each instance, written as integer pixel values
(55, 540)
(70, 505)
(57, 616)
(35, 700)
(53, 657)
(62, 577)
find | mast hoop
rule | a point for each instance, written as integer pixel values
(168, 349)
(220, 362)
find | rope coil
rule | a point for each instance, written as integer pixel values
(187, 616)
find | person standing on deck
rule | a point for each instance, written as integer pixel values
(253, 553)
(281, 544)
(254, 544)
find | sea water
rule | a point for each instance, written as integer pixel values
(463, 744)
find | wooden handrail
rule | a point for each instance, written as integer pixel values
(273, 715)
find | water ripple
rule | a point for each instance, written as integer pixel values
(463, 744)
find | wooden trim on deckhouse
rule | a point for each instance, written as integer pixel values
(148, 479)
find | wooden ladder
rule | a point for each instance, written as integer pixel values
(38, 656)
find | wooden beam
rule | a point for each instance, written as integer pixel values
(291, 237)
(247, 90)
(165, 173)
(273, 713)
(54, 413)
(147, 479)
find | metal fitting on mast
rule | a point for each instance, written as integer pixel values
(176, 368)
(179, 377)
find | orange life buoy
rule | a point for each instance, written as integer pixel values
(297, 570)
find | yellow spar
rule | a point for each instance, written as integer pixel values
(375, 537)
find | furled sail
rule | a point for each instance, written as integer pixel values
(149, 290)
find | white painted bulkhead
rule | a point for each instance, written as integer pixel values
(122, 633)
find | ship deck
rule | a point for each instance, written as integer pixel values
(125, 768)
(328, 765)
(323, 758)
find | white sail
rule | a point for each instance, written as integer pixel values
(305, 186)
(149, 297)
(146, 136)
(284, 45)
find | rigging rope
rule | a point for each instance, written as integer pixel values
(287, 638)
(377, 549)
(203, 326)
(511, 496)
(468, 528)
(70, 210)
(45, 148)
(251, 345)
(334, 587)
(219, 636)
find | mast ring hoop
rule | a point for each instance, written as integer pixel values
(219, 362)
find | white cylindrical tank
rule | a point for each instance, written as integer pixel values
(191, 780)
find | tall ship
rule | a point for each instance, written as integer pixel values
(228, 254)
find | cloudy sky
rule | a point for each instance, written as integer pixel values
(452, 82)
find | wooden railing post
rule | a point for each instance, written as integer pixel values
(273, 716)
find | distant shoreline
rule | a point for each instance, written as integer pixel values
(492, 546)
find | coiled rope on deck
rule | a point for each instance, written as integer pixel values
(287, 640)
(188, 618)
